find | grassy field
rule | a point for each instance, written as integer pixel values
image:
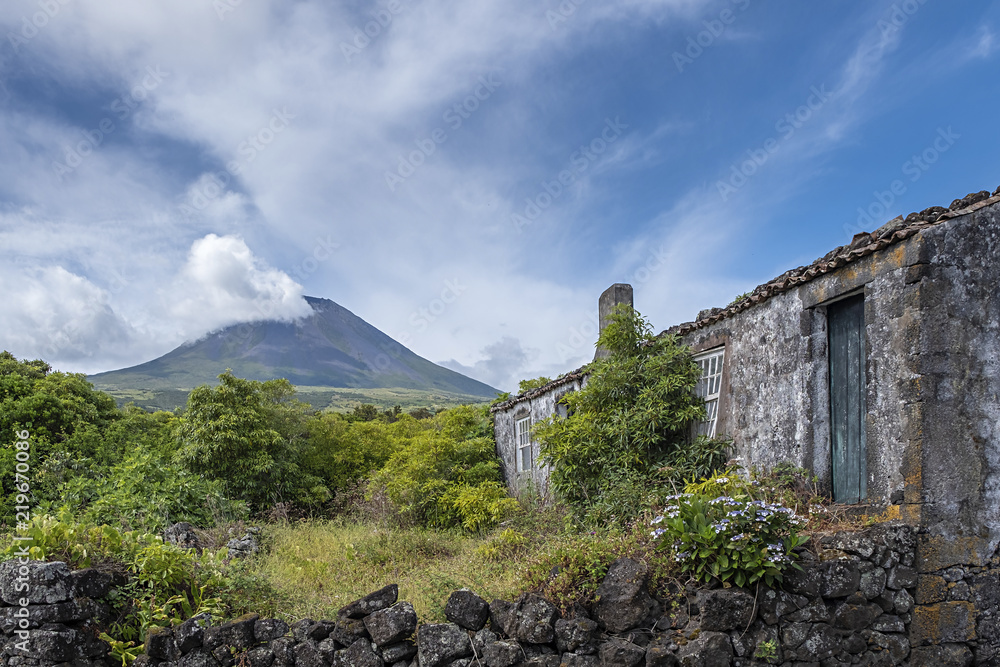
(316, 567)
(333, 398)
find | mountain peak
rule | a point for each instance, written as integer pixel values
(333, 347)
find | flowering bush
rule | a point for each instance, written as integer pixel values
(729, 537)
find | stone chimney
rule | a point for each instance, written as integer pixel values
(614, 295)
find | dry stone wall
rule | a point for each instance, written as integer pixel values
(860, 599)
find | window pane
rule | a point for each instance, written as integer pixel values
(708, 389)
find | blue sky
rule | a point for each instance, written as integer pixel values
(467, 177)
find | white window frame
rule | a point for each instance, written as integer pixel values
(709, 388)
(522, 444)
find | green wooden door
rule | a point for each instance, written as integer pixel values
(847, 398)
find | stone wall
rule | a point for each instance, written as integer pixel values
(51, 615)
(860, 599)
(932, 324)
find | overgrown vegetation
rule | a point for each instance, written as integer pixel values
(352, 501)
(165, 584)
(718, 531)
(625, 442)
(240, 449)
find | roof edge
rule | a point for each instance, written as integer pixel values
(538, 391)
(863, 244)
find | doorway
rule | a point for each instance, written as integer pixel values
(846, 320)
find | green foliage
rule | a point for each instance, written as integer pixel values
(65, 416)
(766, 650)
(183, 580)
(626, 437)
(528, 385)
(718, 531)
(249, 436)
(568, 568)
(503, 545)
(446, 473)
(126, 652)
(146, 491)
(365, 412)
(342, 451)
(421, 413)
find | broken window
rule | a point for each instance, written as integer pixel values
(709, 388)
(522, 436)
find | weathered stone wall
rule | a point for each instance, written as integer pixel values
(953, 474)
(860, 599)
(775, 402)
(51, 615)
(539, 405)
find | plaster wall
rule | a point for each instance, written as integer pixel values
(539, 407)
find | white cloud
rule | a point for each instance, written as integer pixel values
(322, 176)
(57, 315)
(223, 283)
(985, 46)
(501, 365)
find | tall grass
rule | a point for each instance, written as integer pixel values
(319, 566)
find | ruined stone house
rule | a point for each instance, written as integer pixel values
(877, 366)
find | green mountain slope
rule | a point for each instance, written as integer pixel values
(332, 348)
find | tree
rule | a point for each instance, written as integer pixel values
(628, 428)
(65, 417)
(445, 472)
(250, 436)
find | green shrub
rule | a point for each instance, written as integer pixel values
(503, 545)
(249, 436)
(626, 437)
(147, 492)
(166, 584)
(722, 533)
(569, 568)
(481, 506)
(446, 474)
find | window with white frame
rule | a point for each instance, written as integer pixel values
(709, 388)
(522, 437)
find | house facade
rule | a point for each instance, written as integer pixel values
(877, 366)
(512, 422)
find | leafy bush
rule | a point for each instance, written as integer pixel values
(147, 492)
(166, 584)
(528, 385)
(503, 545)
(626, 437)
(569, 568)
(721, 532)
(250, 436)
(344, 451)
(447, 474)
